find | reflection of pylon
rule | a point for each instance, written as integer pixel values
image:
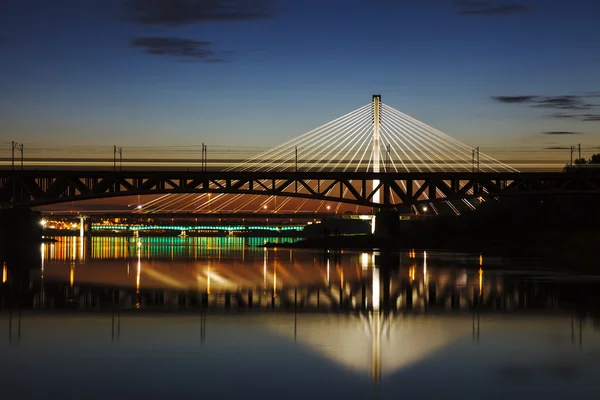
(376, 349)
(376, 323)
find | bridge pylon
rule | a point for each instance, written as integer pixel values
(376, 103)
(376, 106)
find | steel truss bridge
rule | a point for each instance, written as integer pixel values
(374, 156)
(37, 188)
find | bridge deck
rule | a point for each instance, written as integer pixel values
(34, 188)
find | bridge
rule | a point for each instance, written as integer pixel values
(37, 188)
(374, 157)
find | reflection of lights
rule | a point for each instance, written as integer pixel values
(275, 279)
(364, 260)
(375, 289)
(425, 267)
(43, 255)
(480, 259)
(72, 274)
(137, 278)
(328, 271)
(411, 272)
(208, 280)
(480, 281)
(376, 348)
(81, 249)
(4, 273)
(265, 270)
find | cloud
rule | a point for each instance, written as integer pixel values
(185, 49)
(562, 104)
(181, 12)
(568, 102)
(468, 8)
(580, 117)
(561, 133)
(514, 99)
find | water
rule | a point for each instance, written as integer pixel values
(226, 318)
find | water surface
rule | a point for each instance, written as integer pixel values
(226, 318)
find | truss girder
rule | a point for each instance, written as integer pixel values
(35, 188)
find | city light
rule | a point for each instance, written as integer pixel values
(43, 223)
(425, 208)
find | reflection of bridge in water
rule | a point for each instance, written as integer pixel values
(285, 280)
(372, 313)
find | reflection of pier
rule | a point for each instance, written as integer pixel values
(383, 292)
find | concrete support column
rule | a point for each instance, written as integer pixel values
(85, 226)
(387, 223)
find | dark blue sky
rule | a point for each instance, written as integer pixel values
(97, 72)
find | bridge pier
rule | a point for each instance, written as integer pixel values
(20, 238)
(19, 227)
(387, 223)
(85, 226)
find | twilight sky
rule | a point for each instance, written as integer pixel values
(502, 74)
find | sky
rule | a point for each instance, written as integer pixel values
(505, 75)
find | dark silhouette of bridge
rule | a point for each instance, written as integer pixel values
(37, 188)
(374, 157)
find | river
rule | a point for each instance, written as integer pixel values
(227, 318)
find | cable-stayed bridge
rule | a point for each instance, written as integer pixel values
(374, 157)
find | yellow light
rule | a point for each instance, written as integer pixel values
(72, 275)
(425, 267)
(275, 280)
(480, 259)
(43, 222)
(4, 273)
(480, 281)
(208, 281)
